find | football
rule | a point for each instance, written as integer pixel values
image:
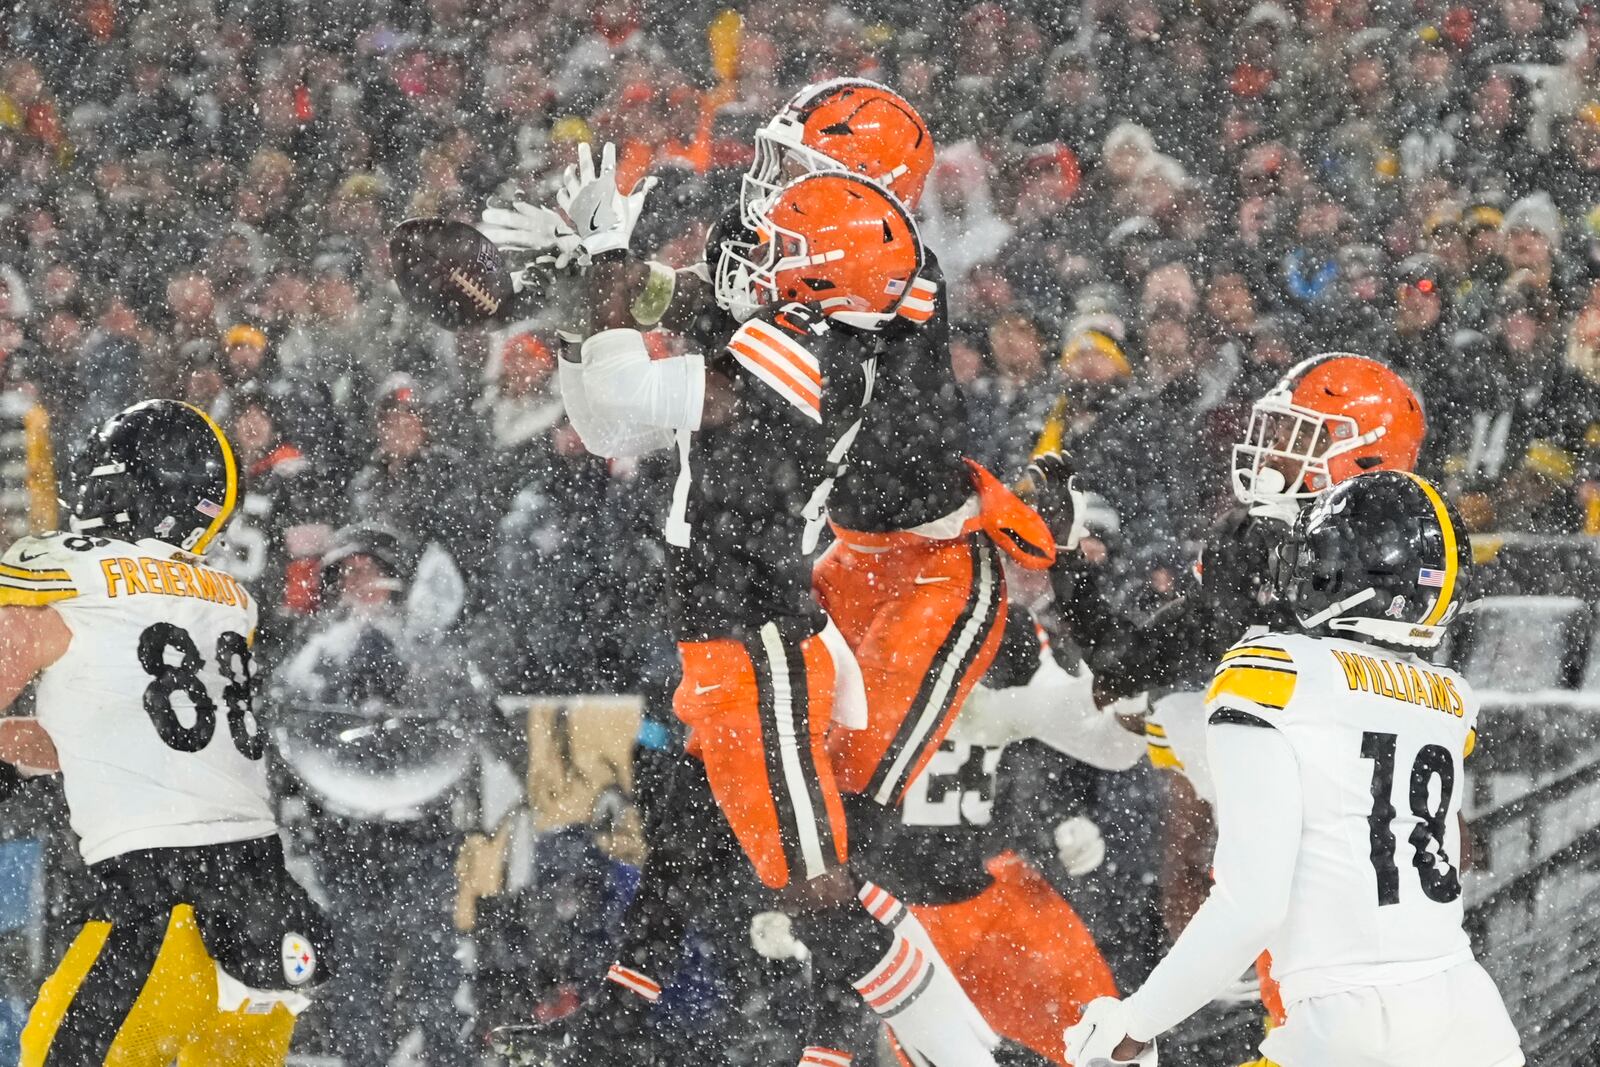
(449, 272)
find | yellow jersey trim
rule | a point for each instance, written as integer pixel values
(1270, 687)
(1163, 758)
(1264, 651)
(32, 598)
(29, 575)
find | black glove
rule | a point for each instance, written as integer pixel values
(10, 779)
(1236, 568)
(1053, 490)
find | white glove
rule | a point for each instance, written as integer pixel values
(1080, 846)
(1098, 1032)
(529, 228)
(524, 227)
(600, 215)
(772, 936)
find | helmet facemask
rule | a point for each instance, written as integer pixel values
(745, 279)
(781, 157)
(747, 275)
(1283, 461)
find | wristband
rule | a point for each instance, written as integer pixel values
(652, 303)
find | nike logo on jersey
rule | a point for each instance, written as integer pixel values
(920, 580)
(25, 557)
(700, 690)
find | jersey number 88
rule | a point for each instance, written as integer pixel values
(233, 660)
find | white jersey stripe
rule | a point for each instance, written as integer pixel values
(790, 736)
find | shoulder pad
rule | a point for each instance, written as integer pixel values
(776, 348)
(33, 572)
(1255, 680)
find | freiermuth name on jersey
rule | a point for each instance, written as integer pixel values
(151, 708)
(125, 576)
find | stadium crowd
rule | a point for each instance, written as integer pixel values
(1147, 209)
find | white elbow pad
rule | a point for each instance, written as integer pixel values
(623, 381)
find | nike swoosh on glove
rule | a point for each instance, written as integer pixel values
(1098, 1032)
(601, 216)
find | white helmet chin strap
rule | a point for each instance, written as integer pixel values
(1335, 610)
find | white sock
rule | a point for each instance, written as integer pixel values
(887, 909)
(913, 990)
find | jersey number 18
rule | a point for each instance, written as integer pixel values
(1439, 879)
(167, 679)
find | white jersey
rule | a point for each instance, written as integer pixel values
(150, 708)
(1379, 738)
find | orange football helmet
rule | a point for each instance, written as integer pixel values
(850, 125)
(835, 241)
(1330, 418)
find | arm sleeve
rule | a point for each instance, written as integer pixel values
(622, 402)
(1055, 707)
(1257, 847)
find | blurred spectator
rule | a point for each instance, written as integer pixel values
(1420, 337)
(522, 406)
(376, 710)
(425, 490)
(285, 517)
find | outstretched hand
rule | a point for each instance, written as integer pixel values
(598, 212)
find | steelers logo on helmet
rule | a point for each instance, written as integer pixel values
(848, 125)
(1381, 557)
(1331, 417)
(162, 469)
(834, 241)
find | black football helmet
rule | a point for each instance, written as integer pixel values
(161, 469)
(1381, 557)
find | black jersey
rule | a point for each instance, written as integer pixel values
(749, 504)
(1180, 644)
(933, 848)
(907, 467)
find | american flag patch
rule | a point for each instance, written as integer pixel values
(209, 508)
(894, 286)
(1429, 576)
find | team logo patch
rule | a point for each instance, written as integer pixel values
(208, 507)
(299, 961)
(1429, 576)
